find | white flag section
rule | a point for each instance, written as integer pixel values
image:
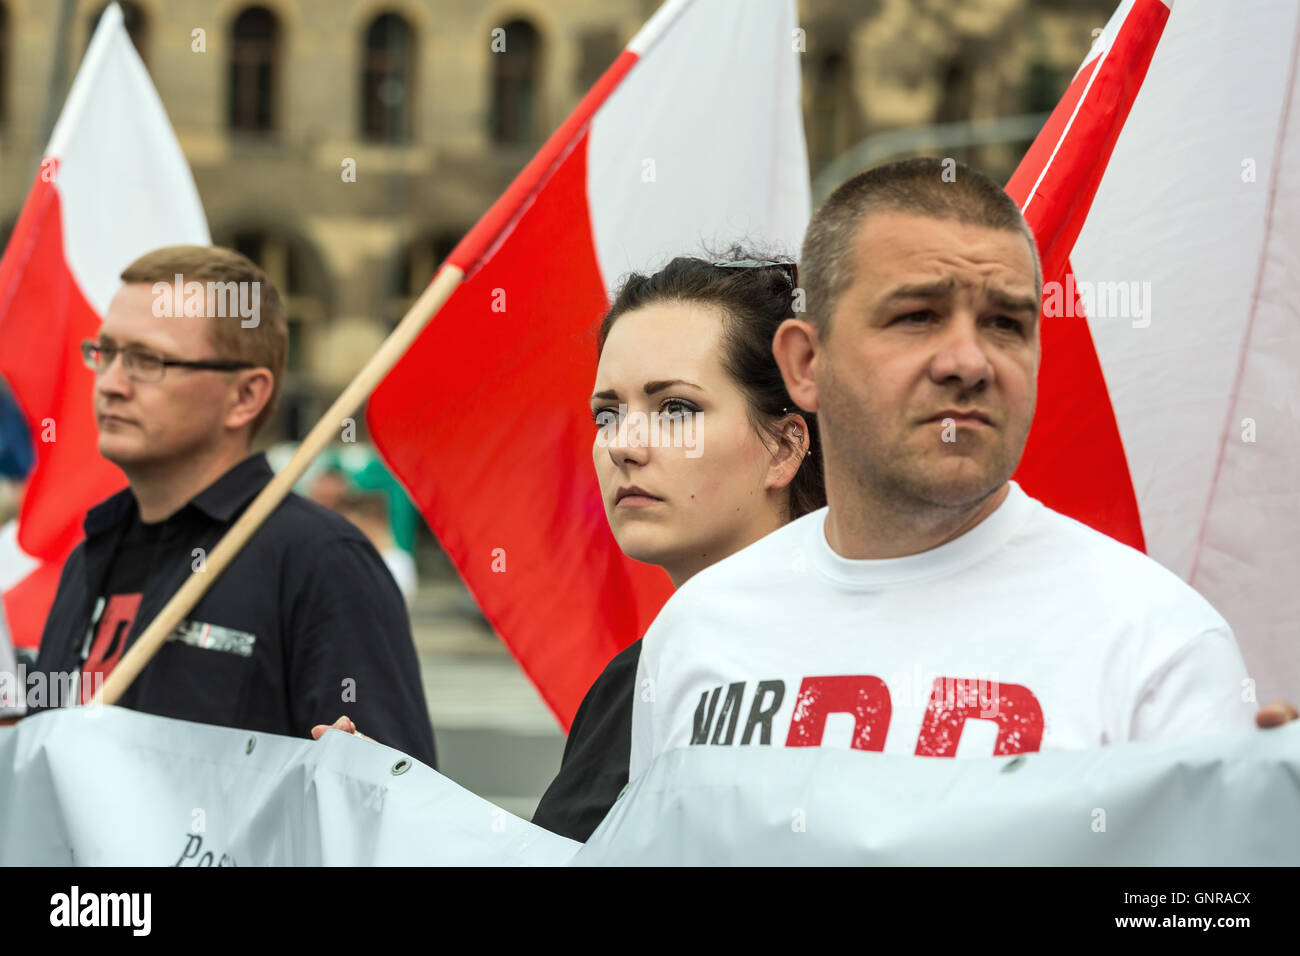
(101, 786)
(1198, 214)
(123, 181)
(716, 85)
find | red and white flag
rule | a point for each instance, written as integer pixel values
(113, 185)
(1169, 393)
(692, 138)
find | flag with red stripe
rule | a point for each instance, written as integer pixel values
(1170, 237)
(692, 138)
(113, 184)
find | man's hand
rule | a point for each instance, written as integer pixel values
(1273, 714)
(344, 724)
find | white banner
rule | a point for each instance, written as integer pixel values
(1230, 800)
(111, 786)
(104, 785)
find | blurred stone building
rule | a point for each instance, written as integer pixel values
(274, 102)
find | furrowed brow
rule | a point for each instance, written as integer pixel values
(924, 290)
(1014, 303)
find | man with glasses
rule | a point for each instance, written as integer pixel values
(307, 619)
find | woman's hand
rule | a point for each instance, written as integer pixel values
(344, 724)
(1275, 714)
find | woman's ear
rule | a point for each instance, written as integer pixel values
(792, 443)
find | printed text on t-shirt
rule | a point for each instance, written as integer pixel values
(866, 699)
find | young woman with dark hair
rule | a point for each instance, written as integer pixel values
(699, 452)
(719, 457)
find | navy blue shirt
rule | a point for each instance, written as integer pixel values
(305, 624)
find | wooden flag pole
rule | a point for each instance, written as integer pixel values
(358, 390)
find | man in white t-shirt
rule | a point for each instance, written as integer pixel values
(933, 608)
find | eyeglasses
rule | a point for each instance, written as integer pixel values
(789, 268)
(143, 366)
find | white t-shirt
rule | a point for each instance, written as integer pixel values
(1029, 632)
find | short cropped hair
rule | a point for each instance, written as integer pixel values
(265, 344)
(916, 186)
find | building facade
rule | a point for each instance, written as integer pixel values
(345, 145)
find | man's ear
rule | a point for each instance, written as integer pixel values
(250, 391)
(794, 347)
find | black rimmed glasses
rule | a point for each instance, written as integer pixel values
(145, 366)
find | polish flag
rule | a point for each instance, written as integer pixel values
(112, 185)
(1169, 393)
(691, 139)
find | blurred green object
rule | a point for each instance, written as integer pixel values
(402, 515)
(365, 471)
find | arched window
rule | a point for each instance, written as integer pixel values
(133, 18)
(516, 66)
(386, 82)
(1044, 85)
(254, 63)
(956, 96)
(414, 269)
(832, 109)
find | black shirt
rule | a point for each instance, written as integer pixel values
(594, 769)
(305, 624)
(123, 591)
